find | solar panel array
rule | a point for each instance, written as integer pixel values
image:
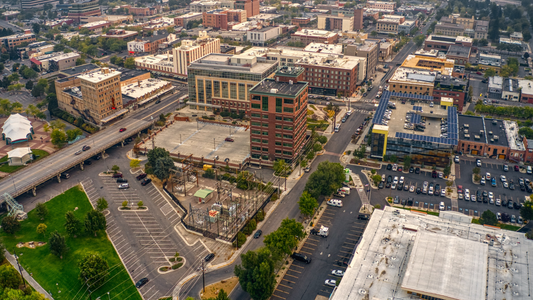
(415, 119)
(453, 124)
(382, 107)
(412, 96)
(423, 138)
(417, 108)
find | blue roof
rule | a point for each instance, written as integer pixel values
(417, 108)
(382, 107)
(412, 96)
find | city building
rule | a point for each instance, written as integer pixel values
(97, 26)
(159, 23)
(204, 6)
(55, 61)
(443, 66)
(412, 81)
(357, 19)
(528, 153)
(381, 5)
(489, 61)
(459, 54)
(183, 20)
(508, 41)
(449, 29)
(451, 88)
(150, 44)
(517, 143)
(510, 90)
(368, 50)
(14, 40)
(143, 91)
(301, 21)
(113, 19)
(526, 89)
(72, 72)
(517, 36)
(407, 26)
(278, 117)
(324, 48)
(308, 36)
(406, 254)
(481, 30)
(120, 34)
(481, 136)
(40, 50)
(83, 9)
(329, 22)
(259, 37)
(389, 23)
(57, 23)
(250, 6)
(455, 25)
(443, 43)
(220, 81)
(33, 4)
(385, 50)
(176, 63)
(414, 128)
(139, 11)
(219, 18)
(495, 85)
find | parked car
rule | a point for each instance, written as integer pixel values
(141, 176)
(331, 282)
(117, 175)
(506, 168)
(478, 162)
(301, 257)
(146, 181)
(339, 273)
(141, 282)
(123, 186)
(417, 170)
(257, 234)
(441, 206)
(335, 202)
(456, 159)
(228, 139)
(122, 180)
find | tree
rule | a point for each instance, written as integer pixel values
(374, 33)
(476, 170)
(2, 253)
(57, 244)
(59, 47)
(10, 225)
(101, 204)
(14, 77)
(134, 163)
(155, 154)
(325, 180)
(162, 168)
(94, 221)
(490, 72)
(407, 161)
(36, 27)
(526, 211)
(140, 204)
(489, 218)
(129, 63)
(41, 228)
(115, 168)
(281, 167)
(80, 61)
(419, 40)
(377, 179)
(93, 270)
(9, 278)
(72, 134)
(285, 238)
(72, 224)
(256, 273)
(58, 137)
(307, 204)
(222, 295)
(124, 203)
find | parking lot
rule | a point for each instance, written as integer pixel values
(306, 281)
(463, 177)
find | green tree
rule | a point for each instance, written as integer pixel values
(94, 221)
(222, 295)
(419, 40)
(285, 238)
(307, 204)
(374, 33)
(10, 225)
(115, 168)
(155, 154)
(101, 204)
(124, 203)
(489, 218)
(57, 244)
(527, 132)
(326, 179)
(281, 168)
(9, 277)
(407, 162)
(256, 273)
(36, 27)
(140, 204)
(2, 254)
(58, 137)
(134, 163)
(490, 72)
(59, 47)
(377, 179)
(72, 224)
(476, 170)
(72, 134)
(41, 228)
(14, 77)
(93, 270)
(526, 211)
(80, 61)
(163, 167)
(129, 63)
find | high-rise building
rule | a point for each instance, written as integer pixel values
(32, 4)
(223, 81)
(278, 117)
(101, 92)
(328, 22)
(250, 6)
(358, 19)
(84, 9)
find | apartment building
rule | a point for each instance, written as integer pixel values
(14, 40)
(452, 88)
(220, 81)
(97, 26)
(278, 117)
(250, 6)
(329, 22)
(33, 4)
(358, 19)
(218, 19)
(389, 23)
(526, 95)
(443, 43)
(307, 36)
(84, 9)
(381, 5)
(176, 62)
(460, 54)
(449, 29)
(149, 44)
(368, 50)
(183, 20)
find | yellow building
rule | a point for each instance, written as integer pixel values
(442, 65)
(412, 81)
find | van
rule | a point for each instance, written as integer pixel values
(301, 257)
(529, 170)
(345, 190)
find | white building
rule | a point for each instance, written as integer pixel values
(495, 84)
(406, 26)
(259, 37)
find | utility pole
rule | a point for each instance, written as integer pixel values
(203, 276)
(20, 268)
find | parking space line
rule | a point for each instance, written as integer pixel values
(306, 252)
(286, 274)
(297, 266)
(293, 270)
(282, 291)
(287, 280)
(278, 297)
(285, 286)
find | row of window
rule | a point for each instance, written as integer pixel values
(267, 125)
(410, 87)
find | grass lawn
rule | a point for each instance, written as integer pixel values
(6, 168)
(317, 124)
(48, 269)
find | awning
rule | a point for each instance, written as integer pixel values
(19, 152)
(203, 193)
(115, 115)
(203, 104)
(33, 60)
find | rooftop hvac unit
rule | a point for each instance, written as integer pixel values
(466, 125)
(273, 91)
(481, 132)
(492, 140)
(496, 137)
(490, 132)
(477, 137)
(467, 136)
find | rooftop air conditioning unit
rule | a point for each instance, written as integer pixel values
(466, 125)
(496, 137)
(477, 137)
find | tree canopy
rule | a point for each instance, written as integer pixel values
(489, 218)
(307, 204)
(325, 180)
(256, 273)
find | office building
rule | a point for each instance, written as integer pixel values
(357, 19)
(259, 37)
(183, 20)
(389, 23)
(407, 26)
(480, 136)
(329, 22)
(14, 40)
(33, 4)
(443, 43)
(84, 9)
(368, 50)
(381, 5)
(487, 61)
(459, 54)
(59, 61)
(510, 90)
(220, 81)
(406, 254)
(412, 81)
(278, 117)
(250, 6)
(176, 62)
(451, 88)
(440, 65)
(526, 89)
(308, 36)
(120, 34)
(150, 44)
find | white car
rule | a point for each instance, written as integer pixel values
(401, 179)
(491, 196)
(456, 159)
(460, 196)
(487, 176)
(473, 198)
(394, 167)
(339, 273)
(331, 282)
(478, 162)
(505, 185)
(123, 186)
(503, 178)
(443, 193)
(335, 202)
(467, 194)
(441, 206)
(395, 180)
(393, 186)
(412, 189)
(498, 202)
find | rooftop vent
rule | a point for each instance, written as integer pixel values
(496, 137)
(490, 132)
(466, 125)
(273, 91)
(477, 137)
(467, 136)
(481, 132)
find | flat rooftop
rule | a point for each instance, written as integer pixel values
(459, 51)
(270, 86)
(97, 76)
(205, 140)
(431, 115)
(445, 255)
(79, 69)
(128, 74)
(138, 89)
(422, 77)
(215, 61)
(316, 33)
(513, 138)
(482, 130)
(495, 128)
(442, 65)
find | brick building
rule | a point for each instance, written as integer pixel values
(315, 36)
(84, 9)
(482, 137)
(250, 6)
(329, 22)
(183, 20)
(443, 43)
(450, 87)
(526, 95)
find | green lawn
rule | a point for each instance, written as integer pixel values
(317, 124)
(6, 168)
(48, 269)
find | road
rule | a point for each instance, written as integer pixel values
(60, 161)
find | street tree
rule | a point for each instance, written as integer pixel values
(72, 134)
(419, 40)
(42, 210)
(377, 179)
(93, 270)
(10, 225)
(2, 252)
(29, 85)
(163, 167)
(526, 211)
(156, 153)
(72, 224)
(407, 162)
(256, 273)
(101, 204)
(325, 180)
(489, 218)
(281, 167)
(115, 168)
(476, 170)
(94, 221)
(285, 238)
(129, 63)
(58, 137)
(490, 72)
(41, 228)
(57, 244)
(307, 204)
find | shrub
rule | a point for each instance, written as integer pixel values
(176, 266)
(322, 139)
(260, 216)
(241, 239)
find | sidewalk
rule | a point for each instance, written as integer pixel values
(29, 279)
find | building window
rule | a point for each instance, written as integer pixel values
(265, 104)
(278, 105)
(288, 109)
(288, 101)
(256, 105)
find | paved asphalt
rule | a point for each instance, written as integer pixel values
(58, 162)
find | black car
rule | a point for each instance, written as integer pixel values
(389, 167)
(301, 257)
(87, 162)
(400, 187)
(344, 261)
(141, 282)
(417, 171)
(511, 186)
(209, 257)
(478, 194)
(411, 170)
(381, 185)
(146, 181)
(504, 203)
(85, 148)
(410, 201)
(389, 179)
(258, 234)
(517, 205)
(122, 180)
(434, 174)
(387, 185)
(505, 217)
(141, 176)
(397, 200)
(97, 157)
(485, 199)
(418, 190)
(363, 217)
(485, 194)
(404, 202)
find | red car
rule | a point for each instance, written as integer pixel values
(400, 168)
(479, 73)
(122, 130)
(228, 139)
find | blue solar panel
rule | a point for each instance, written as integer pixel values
(382, 107)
